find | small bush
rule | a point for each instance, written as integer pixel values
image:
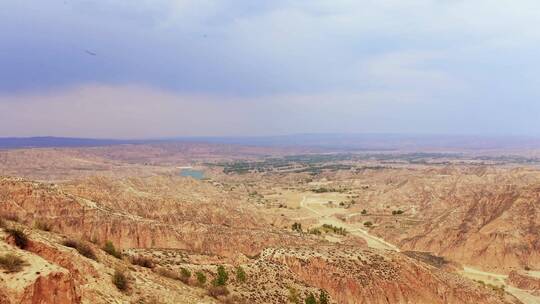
(20, 238)
(168, 273)
(222, 277)
(10, 217)
(142, 261)
(315, 231)
(364, 212)
(296, 227)
(201, 278)
(294, 296)
(323, 297)
(110, 249)
(41, 225)
(240, 274)
(11, 263)
(527, 268)
(311, 299)
(185, 274)
(82, 248)
(397, 212)
(218, 291)
(368, 224)
(120, 280)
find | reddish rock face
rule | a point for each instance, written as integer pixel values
(369, 276)
(55, 288)
(523, 281)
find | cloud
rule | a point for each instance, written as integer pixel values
(279, 66)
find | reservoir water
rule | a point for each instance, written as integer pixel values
(196, 174)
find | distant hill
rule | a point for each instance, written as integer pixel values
(352, 142)
(45, 142)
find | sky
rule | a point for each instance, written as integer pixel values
(163, 68)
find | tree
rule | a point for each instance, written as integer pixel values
(222, 276)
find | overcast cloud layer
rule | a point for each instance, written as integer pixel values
(154, 68)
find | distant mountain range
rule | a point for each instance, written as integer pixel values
(326, 141)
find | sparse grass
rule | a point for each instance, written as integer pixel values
(120, 280)
(19, 237)
(11, 263)
(82, 248)
(42, 225)
(142, 261)
(110, 249)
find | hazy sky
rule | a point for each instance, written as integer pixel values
(153, 68)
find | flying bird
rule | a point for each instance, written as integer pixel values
(90, 53)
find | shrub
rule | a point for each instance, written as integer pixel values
(323, 297)
(222, 276)
(311, 299)
(293, 296)
(110, 249)
(82, 248)
(12, 263)
(527, 268)
(168, 273)
(368, 224)
(10, 217)
(201, 278)
(20, 238)
(297, 227)
(397, 212)
(120, 280)
(185, 274)
(41, 225)
(240, 274)
(142, 261)
(217, 291)
(364, 212)
(315, 231)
